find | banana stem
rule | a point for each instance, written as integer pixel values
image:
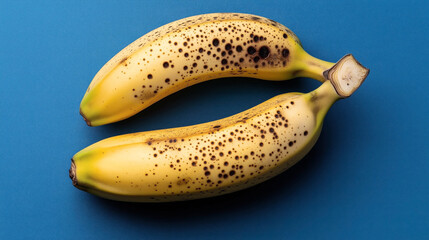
(343, 79)
(322, 99)
(312, 67)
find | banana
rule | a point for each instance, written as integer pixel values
(190, 51)
(217, 157)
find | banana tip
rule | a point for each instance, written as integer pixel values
(84, 118)
(72, 173)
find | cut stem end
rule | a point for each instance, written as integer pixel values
(346, 75)
(72, 173)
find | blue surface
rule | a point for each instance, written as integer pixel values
(366, 178)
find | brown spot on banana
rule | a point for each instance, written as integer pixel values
(123, 60)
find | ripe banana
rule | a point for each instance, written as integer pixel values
(217, 157)
(190, 51)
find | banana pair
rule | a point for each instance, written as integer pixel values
(217, 157)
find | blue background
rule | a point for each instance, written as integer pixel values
(366, 178)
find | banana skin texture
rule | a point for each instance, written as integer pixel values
(190, 51)
(217, 157)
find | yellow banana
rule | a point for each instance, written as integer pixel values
(217, 157)
(190, 51)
